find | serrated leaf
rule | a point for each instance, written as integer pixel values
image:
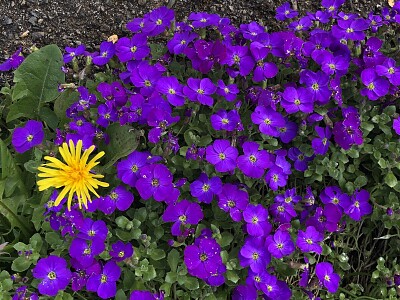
(36, 82)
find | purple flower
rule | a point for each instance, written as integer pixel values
(156, 181)
(222, 155)
(132, 48)
(317, 85)
(114, 92)
(256, 218)
(244, 292)
(204, 188)
(85, 250)
(145, 76)
(289, 197)
(326, 275)
(282, 212)
(182, 213)
(253, 254)
(180, 42)
(203, 19)
(284, 12)
(107, 51)
(303, 24)
(299, 158)
(81, 275)
(348, 132)
(359, 206)
(27, 137)
(263, 69)
(13, 62)
(73, 52)
(295, 100)
(233, 200)
(276, 178)
(121, 251)
(331, 64)
(54, 274)
(203, 258)
(91, 230)
(280, 244)
(145, 295)
(350, 29)
(240, 57)
(396, 125)
(105, 284)
(173, 90)
(157, 21)
(332, 5)
(308, 241)
(107, 113)
(119, 198)
(321, 144)
(254, 162)
(229, 91)
(288, 131)
(252, 30)
(224, 120)
(128, 169)
(268, 120)
(200, 90)
(390, 71)
(334, 195)
(376, 86)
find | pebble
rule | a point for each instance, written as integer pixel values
(32, 20)
(7, 20)
(37, 35)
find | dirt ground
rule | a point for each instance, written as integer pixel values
(73, 22)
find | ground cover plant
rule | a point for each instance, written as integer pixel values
(197, 160)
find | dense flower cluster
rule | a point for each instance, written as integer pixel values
(243, 166)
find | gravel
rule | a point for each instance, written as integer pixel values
(30, 23)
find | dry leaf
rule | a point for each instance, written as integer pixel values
(113, 38)
(391, 3)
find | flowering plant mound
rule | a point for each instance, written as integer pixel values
(235, 163)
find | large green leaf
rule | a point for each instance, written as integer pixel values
(123, 141)
(36, 82)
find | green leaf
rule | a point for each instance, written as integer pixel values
(360, 181)
(173, 259)
(36, 82)
(191, 283)
(123, 141)
(63, 102)
(21, 264)
(390, 179)
(157, 254)
(9, 206)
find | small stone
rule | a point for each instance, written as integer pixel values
(32, 20)
(7, 21)
(37, 35)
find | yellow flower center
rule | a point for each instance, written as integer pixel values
(391, 70)
(221, 156)
(133, 49)
(371, 86)
(52, 275)
(29, 138)
(159, 22)
(315, 86)
(147, 83)
(225, 121)
(103, 278)
(172, 91)
(255, 256)
(252, 158)
(309, 241)
(203, 257)
(327, 278)
(297, 102)
(182, 218)
(121, 254)
(75, 174)
(205, 187)
(200, 91)
(134, 168)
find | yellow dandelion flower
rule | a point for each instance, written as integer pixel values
(74, 175)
